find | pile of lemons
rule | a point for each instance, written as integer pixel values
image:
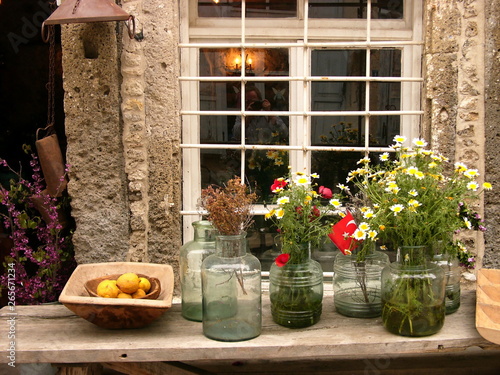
(128, 285)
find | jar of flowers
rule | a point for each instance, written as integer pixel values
(231, 277)
(303, 216)
(415, 202)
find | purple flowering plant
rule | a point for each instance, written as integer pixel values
(41, 258)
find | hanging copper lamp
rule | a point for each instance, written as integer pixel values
(84, 11)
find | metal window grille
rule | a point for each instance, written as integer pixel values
(302, 37)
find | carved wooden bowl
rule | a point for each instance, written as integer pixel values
(118, 313)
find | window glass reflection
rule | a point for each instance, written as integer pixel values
(261, 165)
(350, 96)
(254, 8)
(381, 9)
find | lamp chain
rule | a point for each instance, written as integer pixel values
(51, 81)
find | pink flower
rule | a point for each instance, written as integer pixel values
(325, 192)
(282, 259)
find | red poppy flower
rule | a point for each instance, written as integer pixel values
(278, 184)
(325, 192)
(282, 259)
(315, 212)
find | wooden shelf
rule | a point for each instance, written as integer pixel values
(53, 334)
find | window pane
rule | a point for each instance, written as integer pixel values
(383, 62)
(333, 167)
(355, 9)
(338, 131)
(218, 166)
(254, 8)
(262, 167)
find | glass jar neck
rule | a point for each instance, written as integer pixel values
(299, 252)
(231, 246)
(412, 255)
(204, 231)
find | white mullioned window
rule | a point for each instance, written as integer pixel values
(311, 84)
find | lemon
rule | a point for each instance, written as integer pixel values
(128, 282)
(144, 284)
(139, 293)
(124, 295)
(107, 289)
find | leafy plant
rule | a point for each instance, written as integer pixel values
(415, 199)
(41, 259)
(301, 215)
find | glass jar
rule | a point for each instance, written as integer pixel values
(192, 255)
(450, 266)
(357, 283)
(231, 288)
(296, 291)
(413, 294)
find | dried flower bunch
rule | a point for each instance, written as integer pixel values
(229, 207)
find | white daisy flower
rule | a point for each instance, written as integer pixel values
(283, 200)
(473, 185)
(419, 142)
(336, 203)
(399, 138)
(397, 208)
(359, 235)
(364, 227)
(471, 173)
(384, 156)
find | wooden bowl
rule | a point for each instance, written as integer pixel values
(153, 293)
(118, 313)
(488, 304)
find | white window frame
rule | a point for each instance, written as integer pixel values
(301, 35)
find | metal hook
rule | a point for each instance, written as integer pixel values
(131, 31)
(45, 34)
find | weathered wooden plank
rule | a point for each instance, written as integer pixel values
(459, 363)
(52, 334)
(81, 369)
(157, 368)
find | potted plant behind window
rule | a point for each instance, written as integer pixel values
(303, 219)
(41, 258)
(231, 278)
(415, 200)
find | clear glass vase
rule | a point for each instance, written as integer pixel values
(192, 255)
(450, 265)
(296, 291)
(231, 288)
(413, 294)
(357, 283)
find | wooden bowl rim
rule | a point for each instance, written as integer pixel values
(74, 292)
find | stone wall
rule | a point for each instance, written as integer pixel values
(122, 120)
(123, 125)
(492, 131)
(98, 183)
(457, 71)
